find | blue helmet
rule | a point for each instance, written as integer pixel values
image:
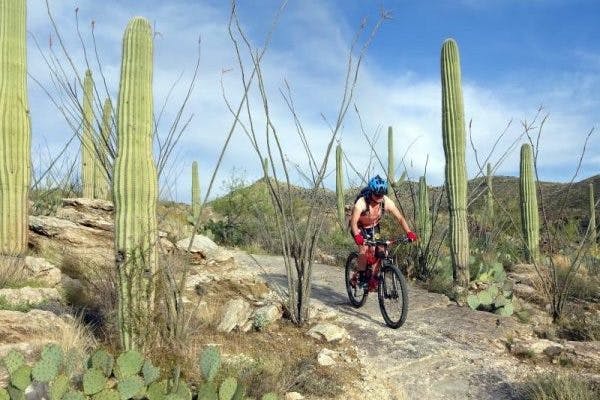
(378, 186)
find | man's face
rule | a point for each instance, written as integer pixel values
(377, 198)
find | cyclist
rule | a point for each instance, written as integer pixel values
(368, 210)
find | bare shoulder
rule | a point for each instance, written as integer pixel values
(388, 200)
(360, 204)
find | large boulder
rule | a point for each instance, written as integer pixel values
(26, 296)
(204, 247)
(236, 314)
(39, 269)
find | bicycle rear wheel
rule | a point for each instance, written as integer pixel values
(393, 296)
(357, 293)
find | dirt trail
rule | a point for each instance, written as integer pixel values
(442, 351)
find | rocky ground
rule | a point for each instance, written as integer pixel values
(443, 351)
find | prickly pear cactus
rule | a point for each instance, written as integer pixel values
(88, 148)
(454, 138)
(339, 187)
(15, 131)
(529, 207)
(135, 187)
(210, 361)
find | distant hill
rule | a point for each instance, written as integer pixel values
(572, 198)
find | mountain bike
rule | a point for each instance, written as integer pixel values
(382, 276)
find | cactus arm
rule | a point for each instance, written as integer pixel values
(593, 230)
(454, 139)
(15, 130)
(103, 164)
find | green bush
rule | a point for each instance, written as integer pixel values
(558, 387)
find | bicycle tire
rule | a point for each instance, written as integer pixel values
(353, 293)
(397, 291)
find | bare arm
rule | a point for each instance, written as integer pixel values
(358, 208)
(391, 206)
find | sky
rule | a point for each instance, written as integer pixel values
(517, 57)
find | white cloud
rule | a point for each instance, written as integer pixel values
(309, 50)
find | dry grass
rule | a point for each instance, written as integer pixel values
(12, 271)
(559, 387)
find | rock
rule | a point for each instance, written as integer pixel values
(16, 327)
(68, 241)
(41, 270)
(205, 247)
(327, 357)
(29, 296)
(533, 347)
(237, 312)
(266, 315)
(293, 396)
(328, 332)
(583, 354)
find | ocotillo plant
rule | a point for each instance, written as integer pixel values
(103, 165)
(490, 194)
(15, 130)
(529, 206)
(454, 138)
(135, 186)
(88, 152)
(593, 231)
(391, 166)
(423, 215)
(195, 192)
(339, 187)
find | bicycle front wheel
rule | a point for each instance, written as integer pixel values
(393, 296)
(357, 292)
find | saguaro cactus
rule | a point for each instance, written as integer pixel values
(593, 231)
(454, 138)
(423, 215)
(15, 130)
(490, 194)
(339, 187)
(195, 192)
(391, 166)
(88, 151)
(103, 165)
(135, 186)
(529, 206)
(265, 164)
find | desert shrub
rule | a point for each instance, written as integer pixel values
(579, 325)
(559, 387)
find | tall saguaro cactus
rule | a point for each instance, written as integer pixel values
(195, 192)
(103, 165)
(530, 220)
(423, 214)
(135, 186)
(454, 138)
(15, 130)
(339, 187)
(391, 165)
(593, 231)
(88, 152)
(490, 193)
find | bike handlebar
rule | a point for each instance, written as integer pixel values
(387, 242)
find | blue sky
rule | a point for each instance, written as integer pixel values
(516, 56)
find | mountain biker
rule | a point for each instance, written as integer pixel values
(368, 210)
